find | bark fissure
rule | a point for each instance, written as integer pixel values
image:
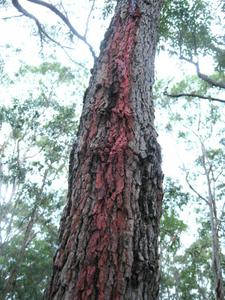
(109, 229)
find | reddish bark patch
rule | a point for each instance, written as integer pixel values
(110, 172)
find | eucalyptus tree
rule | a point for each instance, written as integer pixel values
(171, 230)
(201, 128)
(186, 271)
(109, 229)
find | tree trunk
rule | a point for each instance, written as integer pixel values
(216, 253)
(109, 229)
(216, 256)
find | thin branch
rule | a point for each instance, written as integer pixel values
(20, 8)
(209, 80)
(218, 175)
(72, 60)
(88, 18)
(193, 95)
(202, 76)
(222, 210)
(41, 30)
(63, 8)
(195, 191)
(12, 17)
(66, 21)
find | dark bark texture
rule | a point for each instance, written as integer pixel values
(109, 230)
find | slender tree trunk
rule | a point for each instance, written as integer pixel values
(109, 230)
(216, 255)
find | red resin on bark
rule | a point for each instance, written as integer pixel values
(110, 180)
(109, 213)
(110, 224)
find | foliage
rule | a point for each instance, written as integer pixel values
(193, 32)
(198, 128)
(186, 271)
(38, 132)
(108, 8)
(186, 25)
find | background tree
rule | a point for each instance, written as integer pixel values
(171, 230)
(201, 129)
(186, 271)
(37, 132)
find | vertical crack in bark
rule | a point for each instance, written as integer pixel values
(109, 229)
(109, 216)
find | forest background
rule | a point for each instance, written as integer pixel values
(42, 85)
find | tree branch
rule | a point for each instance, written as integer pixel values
(41, 29)
(209, 80)
(12, 17)
(88, 18)
(202, 76)
(193, 95)
(65, 21)
(194, 190)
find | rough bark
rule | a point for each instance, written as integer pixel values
(109, 229)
